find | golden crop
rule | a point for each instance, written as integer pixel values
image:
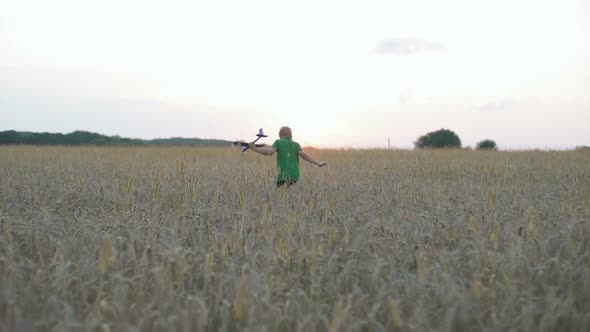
(200, 239)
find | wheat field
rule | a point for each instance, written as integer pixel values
(200, 239)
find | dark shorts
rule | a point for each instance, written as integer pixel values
(288, 183)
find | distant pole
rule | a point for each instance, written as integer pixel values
(388, 142)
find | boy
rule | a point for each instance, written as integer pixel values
(288, 153)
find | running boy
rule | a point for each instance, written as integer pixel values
(288, 153)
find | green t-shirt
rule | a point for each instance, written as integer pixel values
(287, 158)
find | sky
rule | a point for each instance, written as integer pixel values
(339, 73)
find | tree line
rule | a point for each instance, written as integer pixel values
(12, 137)
(445, 138)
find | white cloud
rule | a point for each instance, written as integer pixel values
(498, 105)
(408, 46)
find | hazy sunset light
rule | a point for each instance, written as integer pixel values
(340, 73)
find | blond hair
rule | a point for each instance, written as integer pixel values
(285, 131)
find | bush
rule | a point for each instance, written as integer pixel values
(442, 138)
(487, 144)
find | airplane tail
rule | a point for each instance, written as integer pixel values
(261, 133)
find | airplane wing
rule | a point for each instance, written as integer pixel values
(241, 143)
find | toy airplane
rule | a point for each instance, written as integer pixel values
(245, 145)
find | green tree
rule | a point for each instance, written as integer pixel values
(9, 137)
(487, 144)
(442, 138)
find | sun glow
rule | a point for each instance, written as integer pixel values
(324, 68)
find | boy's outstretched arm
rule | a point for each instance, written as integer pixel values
(311, 159)
(266, 150)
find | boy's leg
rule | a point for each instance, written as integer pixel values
(286, 183)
